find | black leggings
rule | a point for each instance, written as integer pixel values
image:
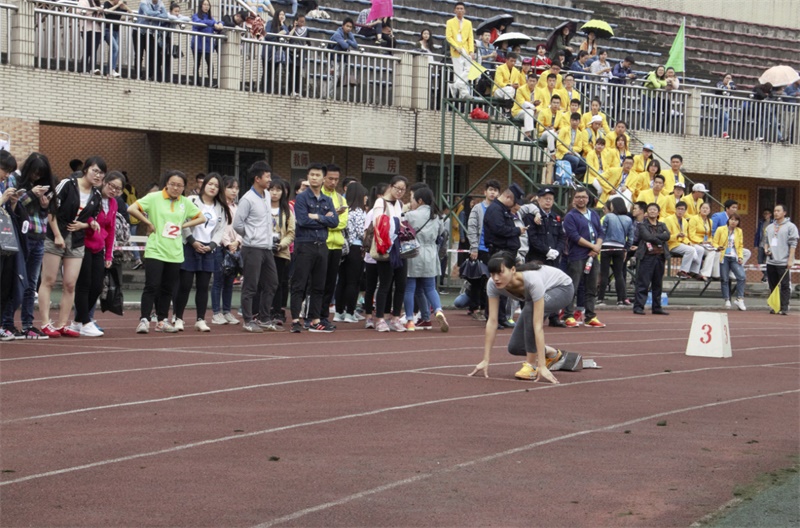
(159, 279)
(350, 272)
(386, 274)
(200, 295)
(282, 293)
(89, 285)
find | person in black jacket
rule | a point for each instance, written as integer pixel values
(73, 211)
(500, 233)
(651, 255)
(546, 239)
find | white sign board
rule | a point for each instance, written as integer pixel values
(710, 335)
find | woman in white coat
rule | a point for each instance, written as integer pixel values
(425, 267)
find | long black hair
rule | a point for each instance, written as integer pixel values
(425, 195)
(36, 171)
(506, 259)
(283, 204)
(355, 195)
(376, 192)
(220, 197)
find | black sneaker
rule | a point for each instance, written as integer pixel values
(18, 334)
(326, 322)
(297, 327)
(321, 327)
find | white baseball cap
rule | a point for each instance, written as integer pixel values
(699, 187)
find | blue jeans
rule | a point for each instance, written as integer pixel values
(112, 39)
(726, 265)
(34, 268)
(223, 287)
(428, 287)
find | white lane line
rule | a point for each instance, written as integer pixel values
(373, 412)
(489, 458)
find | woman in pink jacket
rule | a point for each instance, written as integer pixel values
(98, 256)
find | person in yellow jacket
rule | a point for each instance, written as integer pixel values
(571, 144)
(550, 121)
(594, 110)
(641, 162)
(545, 94)
(676, 196)
(458, 33)
(596, 166)
(655, 195)
(619, 148)
(728, 239)
(569, 89)
(335, 241)
(674, 174)
(619, 181)
(695, 199)
(507, 78)
(645, 180)
(593, 133)
(679, 244)
(700, 235)
(523, 101)
(620, 129)
(555, 69)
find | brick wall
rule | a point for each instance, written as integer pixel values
(24, 134)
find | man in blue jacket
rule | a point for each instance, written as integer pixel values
(584, 240)
(314, 215)
(342, 40)
(500, 233)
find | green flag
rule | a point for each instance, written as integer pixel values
(678, 50)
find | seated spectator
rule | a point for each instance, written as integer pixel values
(597, 165)
(574, 107)
(561, 45)
(619, 181)
(569, 89)
(496, 32)
(656, 194)
(589, 45)
(546, 94)
(620, 129)
(527, 67)
(561, 60)
(486, 51)
(602, 67)
(292, 3)
(524, 108)
(594, 110)
(541, 62)
(621, 73)
(386, 38)
(730, 243)
(579, 67)
(676, 196)
(507, 78)
(571, 144)
(700, 234)
(501, 50)
(315, 12)
(674, 175)
(641, 166)
(695, 199)
(594, 133)
(619, 150)
(425, 43)
(679, 243)
(554, 69)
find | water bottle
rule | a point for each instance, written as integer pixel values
(588, 268)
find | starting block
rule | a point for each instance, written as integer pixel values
(710, 335)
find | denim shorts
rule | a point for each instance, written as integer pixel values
(67, 251)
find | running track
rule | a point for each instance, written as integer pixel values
(357, 428)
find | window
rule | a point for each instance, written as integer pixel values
(769, 196)
(430, 174)
(234, 161)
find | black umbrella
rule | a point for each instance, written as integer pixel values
(473, 269)
(493, 23)
(551, 40)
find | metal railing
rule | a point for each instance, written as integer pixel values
(307, 68)
(5, 32)
(748, 119)
(81, 43)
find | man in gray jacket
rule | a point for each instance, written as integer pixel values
(780, 244)
(478, 250)
(253, 221)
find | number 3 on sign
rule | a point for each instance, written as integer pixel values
(171, 230)
(709, 336)
(706, 337)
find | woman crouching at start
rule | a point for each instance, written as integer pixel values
(545, 290)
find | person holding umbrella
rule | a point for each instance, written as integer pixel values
(559, 42)
(462, 48)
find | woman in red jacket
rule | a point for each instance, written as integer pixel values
(98, 256)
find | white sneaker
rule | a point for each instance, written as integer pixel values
(75, 327)
(231, 318)
(370, 324)
(178, 324)
(339, 318)
(740, 304)
(348, 318)
(727, 304)
(402, 320)
(201, 326)
(359, 316)
(144, 326)
(218, 319)
(153, 318)
(91, 330)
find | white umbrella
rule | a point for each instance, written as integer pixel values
(779, 76)
(513, 39)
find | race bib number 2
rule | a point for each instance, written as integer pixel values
(171, 230)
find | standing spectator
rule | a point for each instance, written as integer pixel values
(113, 10)
(758, 243)
(222, 289)
(680, 245)
(478, 250)
(724, 88)
(199, 178)
(74, 210)
(425, 42)
(168, 212)
(500, 233)
(621, 73)
(462, 49)
(343, 40)
(314, 215)
(352, 266)
(424, 268)
(253, 221)
(618, 228)
(780, 244)
(729, 241)
(584, 236)
(720, 219)
(656, 80)
(283, 226)
(92, 33)
(391, 205)
(546, 238)
(34, 189)
(200, 248)
(336, 237)
(97, 257)
(203, 47)
(370, 264)
(651, 255)
(12, 267)
(147, 45)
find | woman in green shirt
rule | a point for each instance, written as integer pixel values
(168, 212)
